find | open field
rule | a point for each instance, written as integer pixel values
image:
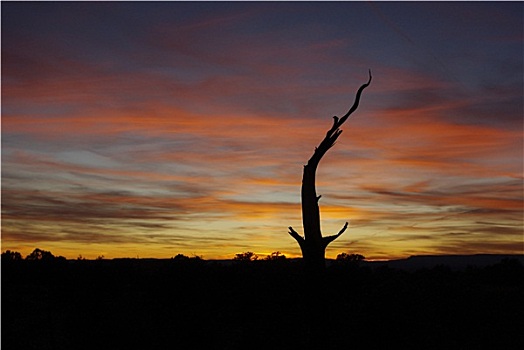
(168, 304)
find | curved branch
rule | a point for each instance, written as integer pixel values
(329, 239)
(333, 133)
(355, 104)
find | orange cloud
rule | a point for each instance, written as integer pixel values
(197, 143)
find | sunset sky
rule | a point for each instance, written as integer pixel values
(152, 129)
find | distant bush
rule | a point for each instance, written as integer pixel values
(11, 256)
(247, 256)
(350, 257)
(40, 255)
(182, 257)
(43, 255)
(275, 256)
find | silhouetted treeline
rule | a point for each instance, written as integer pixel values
(37, 254)
(192, 303)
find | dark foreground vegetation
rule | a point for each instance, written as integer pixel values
(197, 304)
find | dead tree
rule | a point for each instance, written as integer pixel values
(313, 245)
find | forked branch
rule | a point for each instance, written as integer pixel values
(295, 235)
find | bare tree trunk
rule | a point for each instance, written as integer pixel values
(313, 245)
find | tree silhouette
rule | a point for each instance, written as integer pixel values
(11, 256)
(40, 255)
(275, 256)
(313, 244)
(350, 257)
(247, 256)
(181, 257)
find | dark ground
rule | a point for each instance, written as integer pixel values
(168, 304)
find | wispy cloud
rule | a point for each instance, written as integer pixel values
(186, 129)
